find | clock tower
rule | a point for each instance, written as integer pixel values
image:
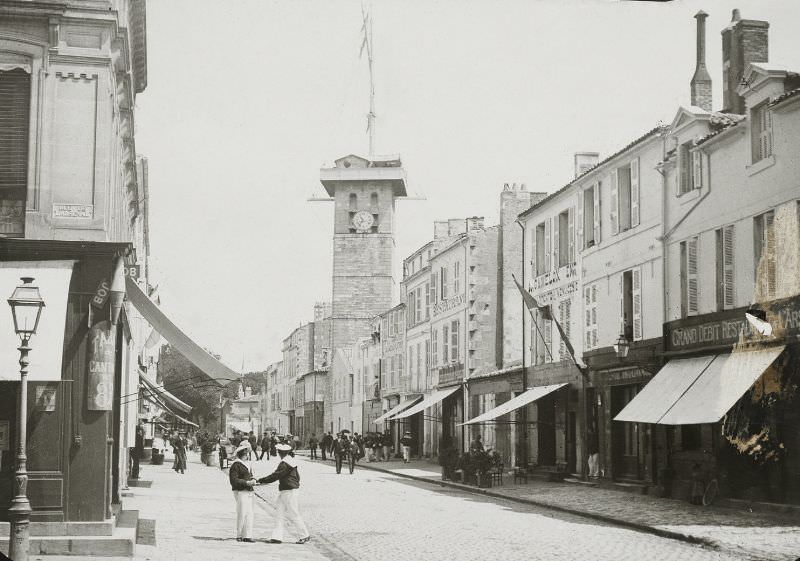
(364, 193)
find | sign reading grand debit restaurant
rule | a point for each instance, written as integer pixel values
(730, 327)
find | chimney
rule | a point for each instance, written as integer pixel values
(584, 161)
(701, 81)
(474, 223)
(440, 229)
(743, 41)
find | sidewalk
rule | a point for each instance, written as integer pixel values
(752, 535)
(195, 518)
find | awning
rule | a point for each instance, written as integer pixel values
(184, 421)
(160, 392)
(396, 409)
(432, 399)
(710, 386)
(177, 338)
(521, 400)
(52, 278)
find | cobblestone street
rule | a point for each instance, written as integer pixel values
(372, 515)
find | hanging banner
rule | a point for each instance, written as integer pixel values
(100, 388)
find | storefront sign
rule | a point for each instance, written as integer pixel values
(629, 376)
(392, 347)
(101, 294)
(100, 389)
(554, 277)
(62, 210)
(726, 328)
(557, 294)
(131, 271)
(449, 304)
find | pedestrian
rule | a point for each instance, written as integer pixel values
(242, 481)
(273, 440)
(377, 450)
(325, 444)
(476, 445)
(288, 478)
(360, 441)
(368, 446)
(386, 440)
(179, 447)
(340, 449)
(312, 446)
(296, 442)
(223, 452)
(594, 454)
(137, 452)
(236, 438)
(253, 440)
(264, 445)
(405, 442)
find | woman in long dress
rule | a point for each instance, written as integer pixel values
(180, 453)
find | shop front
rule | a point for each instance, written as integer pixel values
(486, 394)
(725, 404)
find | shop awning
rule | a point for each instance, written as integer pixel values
(177, 338)
(52, 278)
(163, 394)
(397, 409)
(185, 421)
(712, 390)
(521, 400)
(432, 399)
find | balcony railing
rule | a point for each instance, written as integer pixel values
(451, 373)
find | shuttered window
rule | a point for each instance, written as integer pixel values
(15, 93)
(761, 132)
(725, 273)
(565, 313)
(689, 281)
(765, 254)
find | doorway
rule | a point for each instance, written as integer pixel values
(571, 443)
(546, 424)
(628, 455)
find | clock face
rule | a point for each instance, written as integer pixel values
(363, 221)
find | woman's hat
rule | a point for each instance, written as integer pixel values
(283, 448)
(245, 445)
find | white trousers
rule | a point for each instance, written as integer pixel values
(244, 514)
(287, 511)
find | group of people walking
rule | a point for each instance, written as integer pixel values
(374, 446)
(243, 484)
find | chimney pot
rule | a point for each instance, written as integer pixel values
(736, 15)
(700, 85)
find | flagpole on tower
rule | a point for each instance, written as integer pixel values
(366, 43)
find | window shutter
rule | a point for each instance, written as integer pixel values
(555, 230)
(594, 315)
(445, 343)
(683, 167)
(434, 284)
(637, 304)
(634, 192)
(548, 225)
(622, 304)
(571, 234)
(596, 192)
(532, 253)
(587, 312)
(579, 228)
(614, 204)
(697, 170)
(15, 99)
(562, 351)
(728, 244)
(692, 286)
(769, 235)
(548, 339)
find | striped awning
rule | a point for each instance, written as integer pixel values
(397, 409)
(521, 400)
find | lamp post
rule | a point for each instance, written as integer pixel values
(26, 308)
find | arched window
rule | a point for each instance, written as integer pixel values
(353, 201)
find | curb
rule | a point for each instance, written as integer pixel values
(644, 528)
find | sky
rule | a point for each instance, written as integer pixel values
(247, 99)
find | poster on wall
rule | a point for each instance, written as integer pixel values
(45, 398)
(100, 391)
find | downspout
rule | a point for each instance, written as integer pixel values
(524, 455)
(465, 389)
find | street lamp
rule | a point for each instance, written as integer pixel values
(622, 346)
(26, 308)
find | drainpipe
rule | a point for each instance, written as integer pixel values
(524, 455)
(465, 389)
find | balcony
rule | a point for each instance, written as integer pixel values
(451, 373)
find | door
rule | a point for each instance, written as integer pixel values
(546, 426)
(571, 436)
(626, 438)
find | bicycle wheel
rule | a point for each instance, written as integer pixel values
(711, 492)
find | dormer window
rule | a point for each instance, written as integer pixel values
(690, 165)
(761, 131)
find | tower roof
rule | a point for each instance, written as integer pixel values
(352, 169)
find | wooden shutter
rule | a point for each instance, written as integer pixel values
(579, 221)
(637, 304)
(548, 339)
(728, 245)
(571, 234)
(548, 225)
(596, 193)
(622, 303)
(445, 343)
(532, 252)
(697, 170)
(692, 285)
(683, 167)
(594, 315)
(15, 99)
(771, 250)
(587, 312)
(556, 234)
(614, 203)
(635, 192)
(434, 284)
